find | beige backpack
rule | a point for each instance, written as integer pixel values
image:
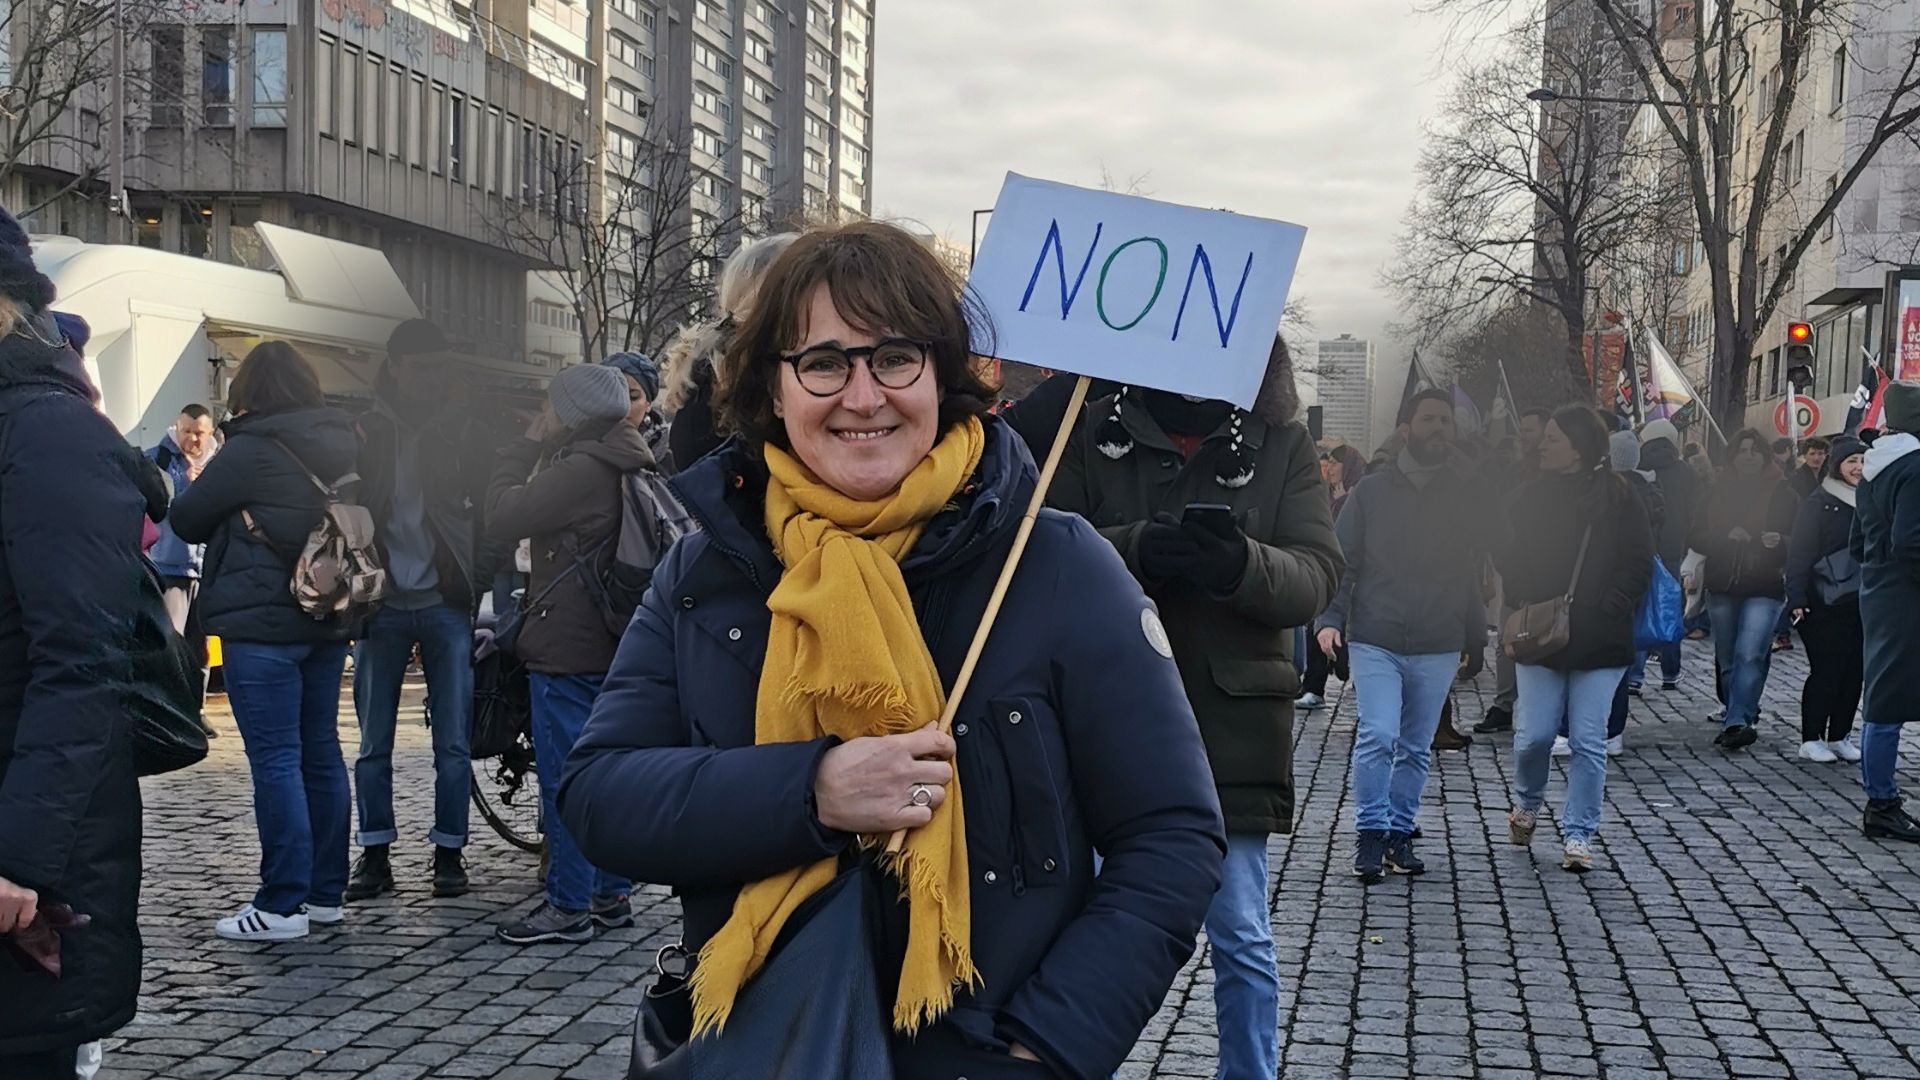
(338, 573)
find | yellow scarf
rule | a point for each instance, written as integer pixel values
(845, 657)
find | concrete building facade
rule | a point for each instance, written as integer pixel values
(1345, 378)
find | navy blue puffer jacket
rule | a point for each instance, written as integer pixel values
(1075, 737)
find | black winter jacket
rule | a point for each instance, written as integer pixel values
(1886, 541)
(1822, 528)
(1759, 505)
(1679, 488)
(244, 582)
(69, 801)
(568, 508)
(458, 459)
(1412, 582)
(1076, 737)
(1546, 520)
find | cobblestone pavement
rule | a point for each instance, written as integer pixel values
(1738, 925)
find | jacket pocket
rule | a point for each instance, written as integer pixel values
(1023, 735)
(1274, 677)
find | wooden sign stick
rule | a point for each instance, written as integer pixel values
(1074, 404)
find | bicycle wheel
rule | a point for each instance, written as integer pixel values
(506, 791)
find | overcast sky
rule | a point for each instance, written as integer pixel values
(1304, 110)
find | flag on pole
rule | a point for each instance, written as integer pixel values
(1864, 411)
(1630, 391)
(1466, 415)
(1417, 379)
(1668, 392)
(1503, 419)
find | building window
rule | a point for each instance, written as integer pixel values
(707, 13)
(323, 103)
(216, 76)
(821, 58)
(169, 75)
(816, 162)
(756, 167)
(759, 129)
(1837, 98)
(1826, 231)
(759, 89)
(349, 94)
(624, 146)
(437, 130)
(270, 78)
(457, 138)
(490, 155)
(713, 61)
(1773, 372)
(372, 86)
(625, 97)
(759, 49)
(819, 16)
(707, 142)
(817, 91)
(817, 128)
(624, 49)
(646, 19)
(416, 114)
(767, 13)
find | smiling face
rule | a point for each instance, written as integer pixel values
(864, 440)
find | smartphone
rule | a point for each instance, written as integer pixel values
(1216, 518)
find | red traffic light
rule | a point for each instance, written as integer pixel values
(1799, 333)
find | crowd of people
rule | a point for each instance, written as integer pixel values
(779, 716)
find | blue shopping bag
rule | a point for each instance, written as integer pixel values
(1661, 619)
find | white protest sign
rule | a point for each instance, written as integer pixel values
(1136, 290)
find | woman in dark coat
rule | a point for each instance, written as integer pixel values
(254, 507)
(1823, 593)
(1576, 502)
(1743, 534)
(865, 508)
(1886, 544)
(570, 506)
(70, 578)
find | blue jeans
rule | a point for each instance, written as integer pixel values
(1669, 655)
(1743, 650)
(1400, 699)
(1246, 982)
(286, 702)
(1583, 699)
(560, 707)
(445, 637)
(1879, 754)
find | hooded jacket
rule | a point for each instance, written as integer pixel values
(1886, 542)
(1075, 737)
(70, 578)
(1235, 650)
(245, 582)
(568, 508)
(1679, 488)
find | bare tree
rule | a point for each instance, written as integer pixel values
(636, 248)
(1519, 202)
(1513, 339)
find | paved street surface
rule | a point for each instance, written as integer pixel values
(1738, 925)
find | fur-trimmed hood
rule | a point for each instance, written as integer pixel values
(1279, 398)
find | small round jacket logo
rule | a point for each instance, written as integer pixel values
(1156, 632)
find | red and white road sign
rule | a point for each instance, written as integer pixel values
(1804, 420)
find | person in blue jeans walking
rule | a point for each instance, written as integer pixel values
(253, 506)
(1886, 544)
(1231, 587)
(1679, 488)
(425, 467)
(1407, 608)
(1577, 534)
(1744, 535)
(562, 486)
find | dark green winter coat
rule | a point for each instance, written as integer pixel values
(1234, 651)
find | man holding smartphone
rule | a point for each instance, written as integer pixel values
(1222, 515)
(1407, 609)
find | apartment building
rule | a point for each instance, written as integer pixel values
(1345, 380)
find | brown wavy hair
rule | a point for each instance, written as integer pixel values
(883, 281)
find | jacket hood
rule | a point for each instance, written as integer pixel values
(1659, 453)
(1279, 397)
(621, 445)
(1886, 450)
(324, 439)
(27, 359)
(725, 492)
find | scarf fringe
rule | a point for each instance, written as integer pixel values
(916, 876)
(896, 714)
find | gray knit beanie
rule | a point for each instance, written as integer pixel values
(587, 392)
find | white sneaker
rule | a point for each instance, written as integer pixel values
(320, 915)
(252, 924)
(1817, 751)
(1561, 748)
(1616, 745)
(1845, 749)
(1309, 702)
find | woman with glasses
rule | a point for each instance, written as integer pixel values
(771, 715)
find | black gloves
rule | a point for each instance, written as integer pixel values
(1171, 551)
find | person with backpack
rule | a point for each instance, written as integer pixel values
(256, 508)
(564, 485)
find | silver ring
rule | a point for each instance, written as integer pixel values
(922, 796)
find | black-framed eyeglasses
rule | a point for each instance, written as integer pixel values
(825, 370)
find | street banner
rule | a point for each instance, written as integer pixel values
(1907, 361)
(1136, 290)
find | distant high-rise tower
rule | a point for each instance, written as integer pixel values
(1346, 390)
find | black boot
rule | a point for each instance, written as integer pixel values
(372, 874)
(207, 729)
(1498, 718)
(449, 872)
(1887, 820)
